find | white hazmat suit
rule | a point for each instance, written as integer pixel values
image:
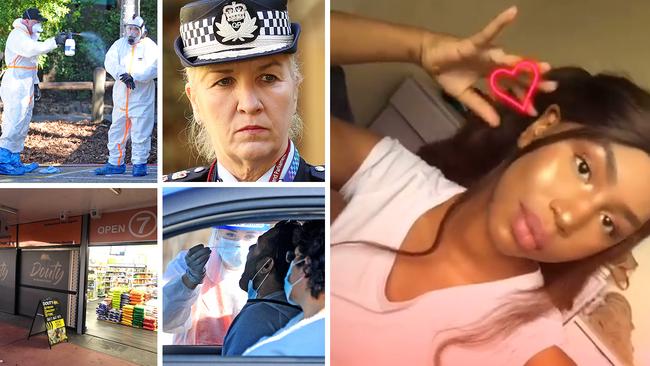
(140, 60)
(17, 88)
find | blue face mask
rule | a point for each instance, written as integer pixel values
(252, 292)
(288, 286)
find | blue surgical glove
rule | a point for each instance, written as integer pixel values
(196, 258)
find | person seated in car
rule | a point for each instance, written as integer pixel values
(267, 309)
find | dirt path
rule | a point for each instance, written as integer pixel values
(64, 142)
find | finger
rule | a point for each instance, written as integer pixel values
(203, 251)
(544, 67)
(198, 260)
(195, 258)
(497, 56)
(203, 259)
(493, 28)
(194, 249)
(479, 106)
(547, 86)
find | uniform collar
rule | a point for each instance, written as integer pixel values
(227, 177)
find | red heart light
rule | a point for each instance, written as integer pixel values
(523, 66)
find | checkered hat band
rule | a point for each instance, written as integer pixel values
(200, 32)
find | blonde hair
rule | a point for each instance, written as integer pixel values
(197, 132)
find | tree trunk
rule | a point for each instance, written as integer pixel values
(127, 9)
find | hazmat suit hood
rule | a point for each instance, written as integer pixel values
(18, 24)
(138, 22)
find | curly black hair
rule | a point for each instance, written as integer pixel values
(310, 241)
(280, 241)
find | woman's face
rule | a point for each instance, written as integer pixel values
(246, 106)
(568, 200)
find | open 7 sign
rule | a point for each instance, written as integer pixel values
(142, 224)
(130, 226)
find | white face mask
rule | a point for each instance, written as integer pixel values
(232, 253)
(37, 29)
(232, 248)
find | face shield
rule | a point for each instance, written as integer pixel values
(133, 34)
(233, 241)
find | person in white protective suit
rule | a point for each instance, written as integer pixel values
(133, 62)
(201, 293)
(20, 89)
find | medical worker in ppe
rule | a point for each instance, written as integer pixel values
(133, 62)
(304, 285)
(201, 294)
(19, 87)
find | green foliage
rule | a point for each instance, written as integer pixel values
(77, 16)
(148, 12)
(90, 53)
(53, 10)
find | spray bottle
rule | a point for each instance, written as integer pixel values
(70, 45)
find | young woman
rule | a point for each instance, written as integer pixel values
(425, 271)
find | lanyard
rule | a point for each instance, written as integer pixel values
(213, 174)
(279, 165)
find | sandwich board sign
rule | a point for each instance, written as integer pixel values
(54, 322)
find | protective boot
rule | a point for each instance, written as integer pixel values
(109, 168)
(7, 166)
(139, 170)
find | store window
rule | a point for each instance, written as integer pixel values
(123, 289)
(122, 286)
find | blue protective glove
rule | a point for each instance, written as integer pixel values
(196, 258)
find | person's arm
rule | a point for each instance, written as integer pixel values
(25, 46)
(356, 39)
(457, 64)
(349, 147)
(112, 62)
(552, 356)
(178, 298)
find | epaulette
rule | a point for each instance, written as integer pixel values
(196, 174)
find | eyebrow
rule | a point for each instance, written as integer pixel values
(630, 216)
(230, 71)
(217, 71)
(612, 178)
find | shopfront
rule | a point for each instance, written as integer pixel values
(122, 286)
(8, 259)
(106, 255)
